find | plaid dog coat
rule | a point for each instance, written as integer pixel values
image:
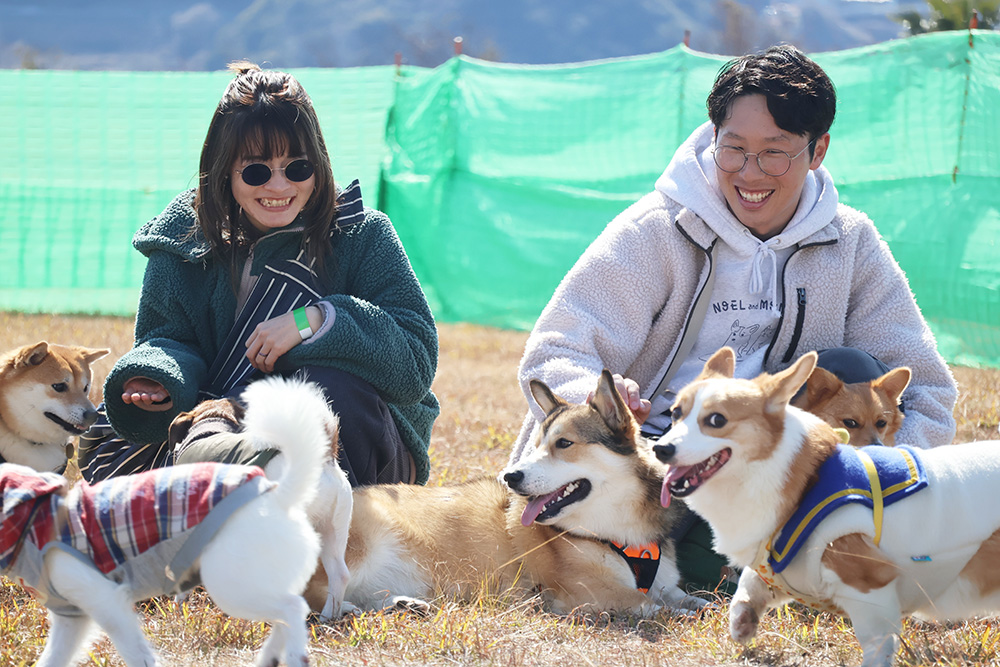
(146, 529)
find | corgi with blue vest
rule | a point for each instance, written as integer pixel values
(873, 533)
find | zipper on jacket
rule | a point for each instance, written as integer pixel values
(687, 329)
(800, 316)
(797, 332)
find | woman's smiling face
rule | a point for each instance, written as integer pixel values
(763, 203)
(276, 203)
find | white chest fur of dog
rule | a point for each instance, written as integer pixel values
(44, 402)
(743, 459)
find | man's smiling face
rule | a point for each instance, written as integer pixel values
(763, 203)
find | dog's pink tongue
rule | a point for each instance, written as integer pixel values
(673, 474)
(665, 493)
(534, 508)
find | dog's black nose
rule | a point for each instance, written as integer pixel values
(513, 478)
(664, 452)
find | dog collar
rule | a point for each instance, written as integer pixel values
(776, 582)
(643, 560)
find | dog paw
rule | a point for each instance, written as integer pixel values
(743, 622)
(412, 605)
(348, 609)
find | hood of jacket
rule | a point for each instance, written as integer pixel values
(690, 180)
(175, 230)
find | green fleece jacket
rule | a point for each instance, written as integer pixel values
(383, 332)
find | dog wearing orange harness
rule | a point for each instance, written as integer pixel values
(549, 527)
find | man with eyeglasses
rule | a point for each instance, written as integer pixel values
(743, 244)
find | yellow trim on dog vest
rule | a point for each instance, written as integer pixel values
(891, 474)
(878, 503)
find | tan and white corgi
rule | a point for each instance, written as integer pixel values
(549, 526)
(44, 402)
(869, 411)
(875, 533)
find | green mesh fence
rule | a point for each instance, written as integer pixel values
(498, 176)
(90, 156)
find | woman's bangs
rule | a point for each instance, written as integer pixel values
(265, 139)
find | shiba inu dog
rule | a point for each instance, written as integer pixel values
(89, 552)
(869, 411)
(551, 526)
(874, 533)
(44, 402)
(261, 420)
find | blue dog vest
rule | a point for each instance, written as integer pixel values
(875, 476)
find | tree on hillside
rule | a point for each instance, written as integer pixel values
(951, 15)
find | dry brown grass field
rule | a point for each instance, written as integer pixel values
(481, 413)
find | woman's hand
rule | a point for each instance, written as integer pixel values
(629, 389)
(146, 394)
(272, 338)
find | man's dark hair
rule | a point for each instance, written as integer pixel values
(800, 96)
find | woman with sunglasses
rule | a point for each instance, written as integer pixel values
(267, 268)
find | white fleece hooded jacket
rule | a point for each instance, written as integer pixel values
(626, 302)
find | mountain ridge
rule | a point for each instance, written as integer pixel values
(207, 34)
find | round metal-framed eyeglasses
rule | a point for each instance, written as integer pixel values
(772, 162)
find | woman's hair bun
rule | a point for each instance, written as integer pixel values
(241, 67)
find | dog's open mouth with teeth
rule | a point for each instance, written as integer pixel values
(681, 481)
(65, 425)
(544, 507)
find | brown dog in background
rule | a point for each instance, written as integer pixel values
(870, 411)
(44, 402)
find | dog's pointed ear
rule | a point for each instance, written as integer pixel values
(32, 355)
(90, 355)
(780, 387)
(546, 400)
(720, 364)
(894, 382)
(820, 387)
(610, 405)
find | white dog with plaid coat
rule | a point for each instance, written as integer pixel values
(89, 552)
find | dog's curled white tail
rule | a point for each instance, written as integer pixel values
(291, 415)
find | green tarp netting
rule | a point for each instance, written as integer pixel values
(498, 176)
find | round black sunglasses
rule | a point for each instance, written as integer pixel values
(259, 173)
